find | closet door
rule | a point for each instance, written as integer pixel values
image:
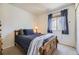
(77, 20)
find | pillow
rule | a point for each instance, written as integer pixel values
(28, 31)
(25, 31)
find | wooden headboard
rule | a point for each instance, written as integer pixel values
(17, 32)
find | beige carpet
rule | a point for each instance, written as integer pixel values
(61, 50)
(12, 51)
(65, 50)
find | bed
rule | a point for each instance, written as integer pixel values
(23, 38)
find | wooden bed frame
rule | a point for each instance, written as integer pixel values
(47, 49)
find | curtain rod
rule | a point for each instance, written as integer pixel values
(54, 12)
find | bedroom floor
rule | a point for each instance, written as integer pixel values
(61, 50)
(65, 50)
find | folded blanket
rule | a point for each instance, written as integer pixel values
(36, 44)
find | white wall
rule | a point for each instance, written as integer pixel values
(77, 19)
(42, 23)
(13, 18)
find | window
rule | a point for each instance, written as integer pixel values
(56, 23)
(54, 26)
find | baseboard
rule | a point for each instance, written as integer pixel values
(67, 45)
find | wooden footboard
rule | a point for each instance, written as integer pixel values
(49, 47)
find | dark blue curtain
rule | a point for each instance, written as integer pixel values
(49, 23)
(64, 13)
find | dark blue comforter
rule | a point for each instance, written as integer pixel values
(24, 40)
